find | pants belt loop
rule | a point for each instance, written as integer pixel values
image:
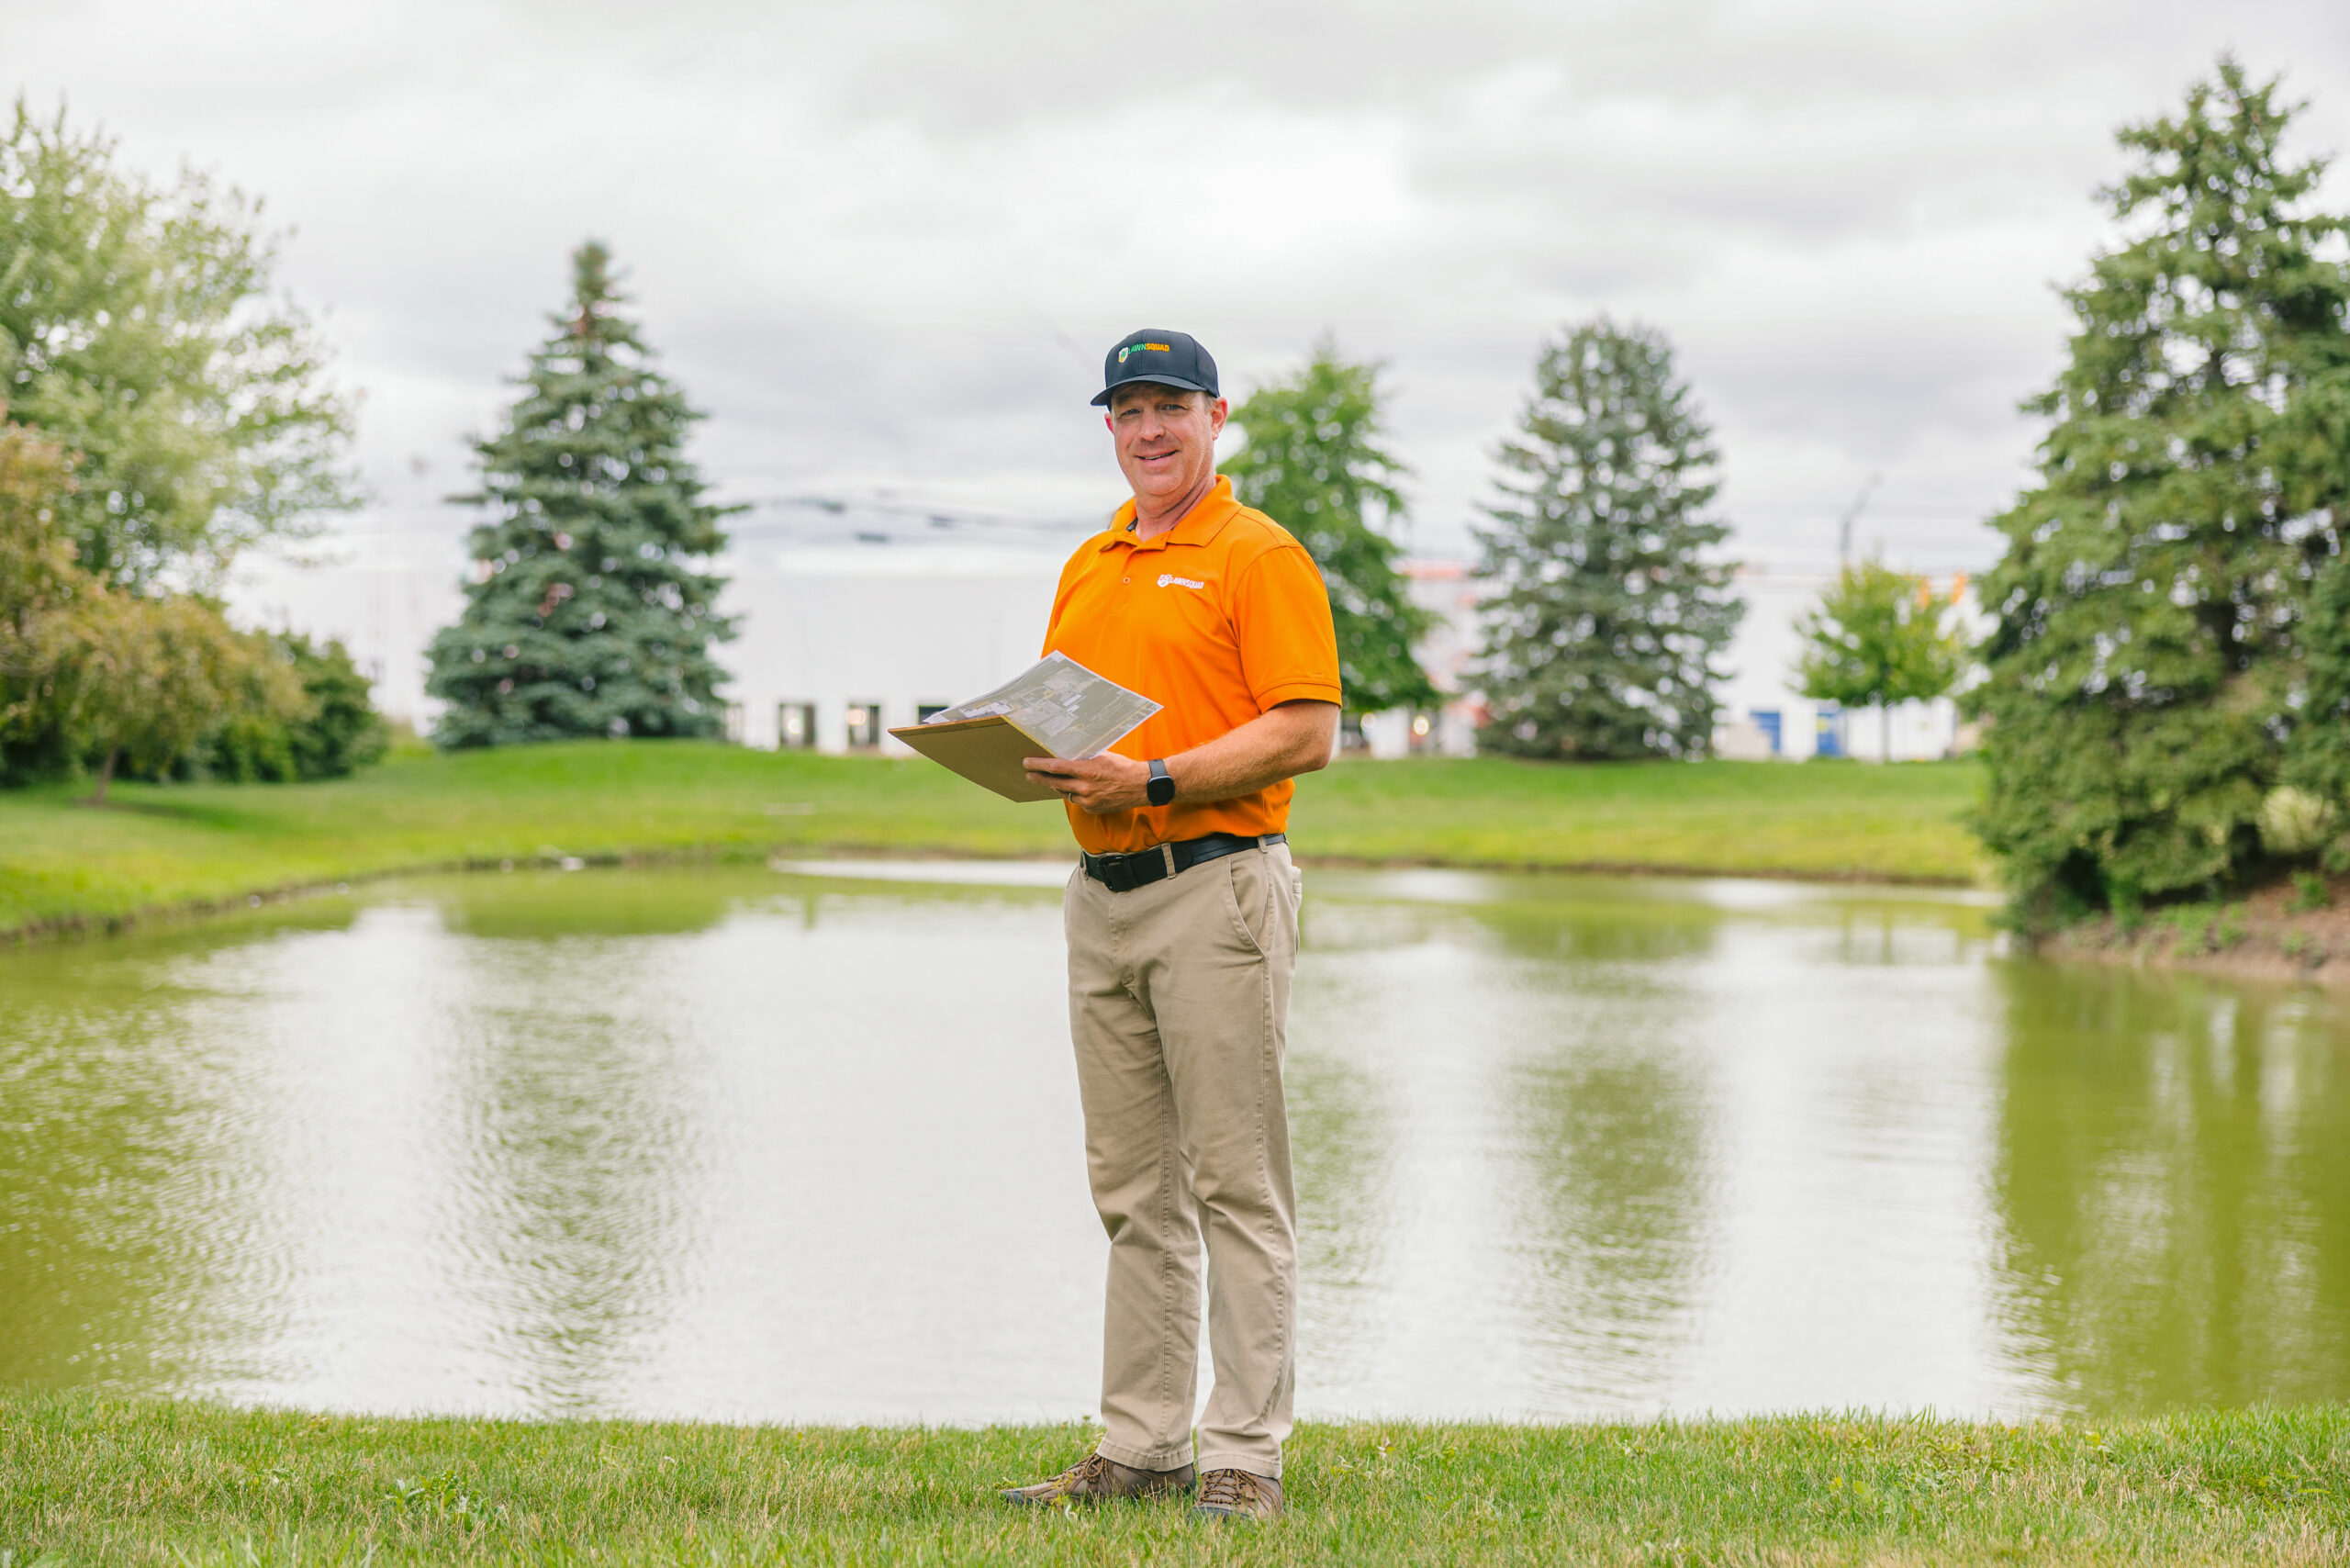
(1168, 850)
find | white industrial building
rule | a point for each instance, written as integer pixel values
(839, 640)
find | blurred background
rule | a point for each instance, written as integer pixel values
(884, 246)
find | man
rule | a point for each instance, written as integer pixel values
(1183, 933)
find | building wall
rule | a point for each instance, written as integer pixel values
(901, 625)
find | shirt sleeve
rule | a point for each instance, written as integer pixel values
(1280, 616)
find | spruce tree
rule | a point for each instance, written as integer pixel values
(1314, 464)
(593, 610)
(1606, 617)
(2149, 648)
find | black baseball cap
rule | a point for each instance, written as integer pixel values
(1160, 357)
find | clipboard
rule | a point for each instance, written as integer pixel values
(988, 752)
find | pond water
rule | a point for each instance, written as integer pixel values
(803, 1144)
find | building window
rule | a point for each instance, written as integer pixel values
(1350, 736)
(794, 725)
(864, 725)
(922, 711)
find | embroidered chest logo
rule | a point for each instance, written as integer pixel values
(1169, 579)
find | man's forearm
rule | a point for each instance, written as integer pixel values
(1286, 739)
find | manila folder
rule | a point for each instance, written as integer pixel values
(986, 751)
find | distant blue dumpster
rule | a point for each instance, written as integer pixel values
(1829, 738)
(1767, 721)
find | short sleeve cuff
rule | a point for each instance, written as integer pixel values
(1299, 691)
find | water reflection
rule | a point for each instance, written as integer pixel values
(801, 1144)
(2173, 1162)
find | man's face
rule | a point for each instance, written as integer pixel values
(1166, 438)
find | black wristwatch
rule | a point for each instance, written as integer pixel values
(1160, 791)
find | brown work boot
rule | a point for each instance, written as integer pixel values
(1098, 1478)
(1236, 1495)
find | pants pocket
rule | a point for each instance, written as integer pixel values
(1248, 900)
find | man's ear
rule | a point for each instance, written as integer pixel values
(1108, 426)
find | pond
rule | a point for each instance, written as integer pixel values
(801, 1144)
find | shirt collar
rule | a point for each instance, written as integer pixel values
(1197, 526)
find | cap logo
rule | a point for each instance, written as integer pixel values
(1121, 356)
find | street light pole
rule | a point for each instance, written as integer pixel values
(1852, 516)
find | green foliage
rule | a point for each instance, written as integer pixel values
(2309, 891)
(38, 581)
(1878, 639)
(147, 683)
(589, 615)
(140, 679)
(2317, 761)
(333, 732)
(1314, 464)
(1602, 633)
(2151, 602)
(139, 330)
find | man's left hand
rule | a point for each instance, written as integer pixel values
(1097, 784)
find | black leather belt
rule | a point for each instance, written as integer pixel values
(1124, 873)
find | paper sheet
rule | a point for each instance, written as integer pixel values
(1072, 711)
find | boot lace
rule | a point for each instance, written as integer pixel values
(1234, 1489)
(1088, 1476)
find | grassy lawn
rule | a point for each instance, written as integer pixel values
(88, 1480)
(167, 846)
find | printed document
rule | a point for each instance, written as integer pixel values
(1073, 711)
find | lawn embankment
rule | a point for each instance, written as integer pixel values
(158, 847)
(2293, 930)
(90, 1481)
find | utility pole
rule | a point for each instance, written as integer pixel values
(1852, 516)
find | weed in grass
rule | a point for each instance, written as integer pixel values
(2227, 930)
(2309, 891)
(2293, 942)
(2192, 924)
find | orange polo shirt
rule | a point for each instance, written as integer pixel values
(1217, 619)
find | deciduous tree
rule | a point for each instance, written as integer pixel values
(141, 330)
(143, 678)
(1878, 638)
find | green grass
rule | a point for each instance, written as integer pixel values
(157, 847)
(84, 1480)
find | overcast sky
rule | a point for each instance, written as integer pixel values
(885, 244)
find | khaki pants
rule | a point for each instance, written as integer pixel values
(1178, 1001)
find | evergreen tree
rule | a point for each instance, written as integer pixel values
(2150, 605)
(1878, 639)
(591, 613)
(2317, 765)
(1314, 464)
(1605, 620)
